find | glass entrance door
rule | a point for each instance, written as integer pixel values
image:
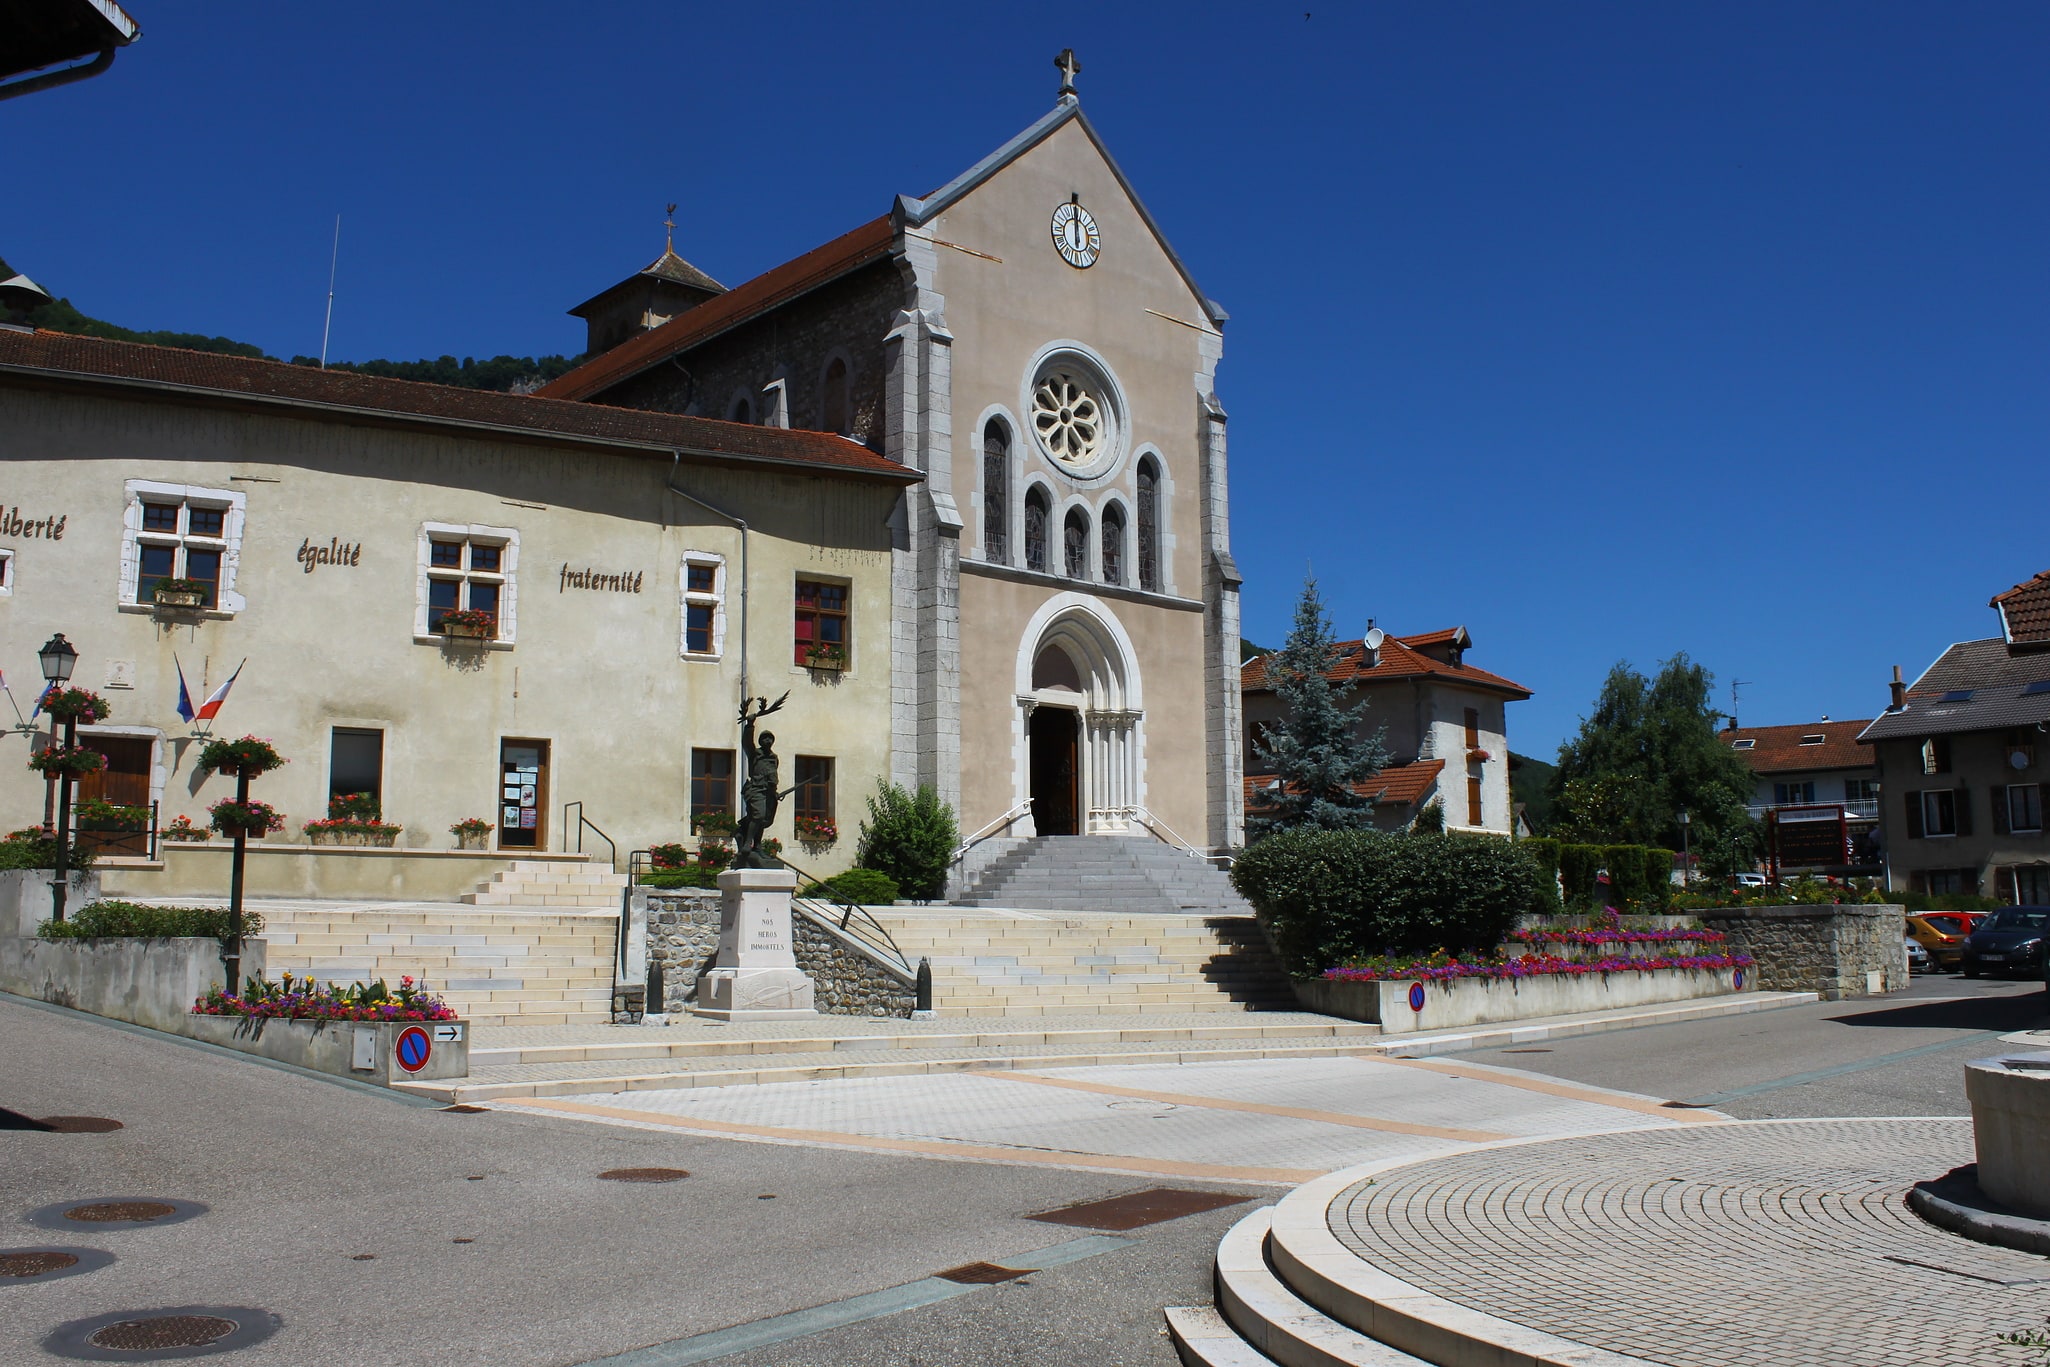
(523, 794)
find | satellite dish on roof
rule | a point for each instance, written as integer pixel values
(1374, 638)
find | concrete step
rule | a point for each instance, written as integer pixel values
(1204, 1338)
(1276, 1322)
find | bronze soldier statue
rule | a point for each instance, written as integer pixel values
(759, 795)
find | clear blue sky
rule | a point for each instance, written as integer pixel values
(1607, 330)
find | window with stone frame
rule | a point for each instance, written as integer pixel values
(1149, 525)
(711, 783)
(996, 493)
(6, 573)
(1075, 543)
(466, 571)
(1113, 544)
(704, 605)
(821, 625)
(181, 534)
(1038, 520)
(814, 795)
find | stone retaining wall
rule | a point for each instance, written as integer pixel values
(144, 981)
(683, 934)
(1851, 950)
(1449, 1003)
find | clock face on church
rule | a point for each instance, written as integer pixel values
(1075, 235)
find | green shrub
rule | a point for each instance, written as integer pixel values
(1658, 879)
(1577, 865)
(1429, 821)
(689, 876)
(1625, 864)
(1545, 854)
(868, 887)
(911, 837)
(1328, 897)
(30, 848)
(121, 920)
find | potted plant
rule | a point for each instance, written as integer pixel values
(247, 755)
(469, 624)
(256, 819)
(713, 825)
(826, 655)
(816, 833)
(180, 593)
(382, 834)
(67, 761)
(76, 704)
(181, 828)
(321, 832)
(471, 833)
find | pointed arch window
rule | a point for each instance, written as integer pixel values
(834, 406)
(1149, 525)
(996, 494)
(1075, 543)
(1114, 545)
(1038, 514)
(742, 411)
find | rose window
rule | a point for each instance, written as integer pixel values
(1067, 418)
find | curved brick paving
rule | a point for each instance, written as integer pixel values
(1707, 1246)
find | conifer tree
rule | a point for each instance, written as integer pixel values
(1319, 750)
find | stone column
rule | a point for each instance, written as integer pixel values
(755, 976)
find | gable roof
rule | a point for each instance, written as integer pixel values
(1398, 785)
(1399, 658)
(1994, 683)
(60, 357)
(2025, 612)
(1787, 749)
(847, 252)
(669, 267)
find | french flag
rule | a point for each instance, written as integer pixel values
(209, 709)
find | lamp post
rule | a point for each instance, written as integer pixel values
(1686, 864)
(57, 658)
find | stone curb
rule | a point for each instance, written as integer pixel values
(1954, 1202)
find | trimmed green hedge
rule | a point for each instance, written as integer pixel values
(1544, 899)
(867, 887)
(1328, 897)
(689, 876)
(124, 920)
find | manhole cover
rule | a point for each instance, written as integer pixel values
(466, 1109)
(35, 1264)
(162, 1331)
(81, 1124)
(128, 1212)
(115, 1212)
(643, 1175)
(176, 1331)
(1140, 1208)
(980, 1274)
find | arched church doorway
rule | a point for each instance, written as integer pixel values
(1056, 742)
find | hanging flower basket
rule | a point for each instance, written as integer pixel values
(179, 594)
(76, 704)
(247, 755)
(246, 818)
(471, 833)
(468, 624)
(67, 761)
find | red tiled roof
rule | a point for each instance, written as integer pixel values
(2025, 609)
(869, 242)
(1399, 785)
(1779, 749)
(63, 356)
(1399, 659)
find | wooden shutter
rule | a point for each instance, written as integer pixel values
(1962, 797)
(2000, 801)
(1914, 813)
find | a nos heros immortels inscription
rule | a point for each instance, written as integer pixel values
(335, 552)
(627, 581)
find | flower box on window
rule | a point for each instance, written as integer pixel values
(828, 657)
(469, 624)
(230, 757)
(181, 594)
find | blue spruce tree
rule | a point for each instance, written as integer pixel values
(1318, 750)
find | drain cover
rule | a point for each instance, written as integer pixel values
(22, 1265)
(466, 1109)
(162, 1331)
(178, 1331)
(81, 1124)
(1140, 1208)
(980, 1274)
(643, 1175)
(115, 1212)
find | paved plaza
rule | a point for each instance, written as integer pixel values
(1782, 1242)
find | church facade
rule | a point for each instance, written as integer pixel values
(1064, 652)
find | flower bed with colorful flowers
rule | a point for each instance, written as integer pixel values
(1440, 968)
(306, 999)
(1570, 935)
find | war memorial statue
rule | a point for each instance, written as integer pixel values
(759, 796)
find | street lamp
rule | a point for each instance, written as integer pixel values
(57, 657)
(1686, 864)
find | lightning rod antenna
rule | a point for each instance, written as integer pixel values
(332, 260)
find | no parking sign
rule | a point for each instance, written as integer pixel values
(1416, 996)
(413, 1049)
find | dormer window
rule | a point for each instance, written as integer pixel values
(1815, 739)
(1744, 744)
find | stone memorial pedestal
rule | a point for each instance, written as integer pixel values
(755, 975)
(2010, 1097)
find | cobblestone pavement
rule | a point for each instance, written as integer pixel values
(1781, 1242)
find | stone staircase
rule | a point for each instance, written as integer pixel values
(995, 963)
(1124, 874)
(550, 883)
(533, 966)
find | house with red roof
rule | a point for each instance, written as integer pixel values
(1444, 720)
(1812, 774)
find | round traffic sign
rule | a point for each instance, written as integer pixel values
(413, 1049)
(1416, 996)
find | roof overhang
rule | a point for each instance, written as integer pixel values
(35, 34)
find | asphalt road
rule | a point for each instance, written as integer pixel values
(1897, 1055)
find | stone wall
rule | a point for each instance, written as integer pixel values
(683, 934)
(1838, 951)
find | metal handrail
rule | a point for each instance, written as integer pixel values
(1156, 826)
(867, 929)
(582, 822)
(991, 829)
